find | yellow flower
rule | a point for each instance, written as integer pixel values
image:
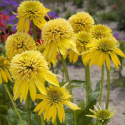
(30, 70)
(81, 21)
(57, 35)
(18, 43)
(4, 69)
(82, 39)
(101, 52)
(100, 31)
(41, 48)
(52, 103)
(31, 11)
(102, 115)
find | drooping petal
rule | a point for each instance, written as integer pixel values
(108, 61)
(8, 74)
(119, 52)
(51, 78)
(0, 78)
(32, 89)
(4, 75)
(71, 105)
(27, 25)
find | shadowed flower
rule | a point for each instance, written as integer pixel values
(81, 21)
(102, 115)
(101, 52)
(31, 11)
(52, 103)
(30, 70)
(81, 39)
(18, 43)
(4, 69)
(100, 31)
(57, 35)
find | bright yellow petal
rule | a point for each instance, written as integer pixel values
(60, 115)
(8, 74)
(113, 59)
(20, 26)
(108, 61)
(26, 90)
(75, 58)
(93, 116)
(46, 112)
(39, 96)
(40, 85)
(23, 89)
(51, 78)
(4, 75)
(92, 111)
(50, 112)
(27, 25)
(32, 89)
(54, 115)
(0, 78)
(71, 105)
(41, 105)
(119, 52)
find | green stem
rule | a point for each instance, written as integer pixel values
(102, 81)
(42, 120)
(28, 111)
(69, 85)
(6, 87)
(88, 83)
(34, 31)
(108, 87)
(55, 123)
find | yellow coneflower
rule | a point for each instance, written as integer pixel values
(57, 36)
(102, 115)
(53, 101)
(30, 70)
(4, 69)
(100, 31)
(18, 43)
(31, 11)
(81, 21)
(41, 48)
(101, 52)
(82, 39)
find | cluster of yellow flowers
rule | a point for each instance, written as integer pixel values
(74, 37)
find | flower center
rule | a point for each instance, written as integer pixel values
(55, 95)
(106, 44)
(103, 114)
(82, 38)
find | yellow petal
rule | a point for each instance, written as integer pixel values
(54, 115)
(71, 105)
(60, 114)
(40, 85)
(26, 90)
(0, 78)
(108, 61)
(92, 111)
(93, 116)
(20, 26)
(41, 105)
(46, 112)
(50, 112)
(4, 75)
(40, 96)
(27, 25)
(8, 74)
(32, 89)
(119, 52)
(51, 78)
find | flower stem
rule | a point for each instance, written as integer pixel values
(28, 111)
(69, 85)
(108, 87)
(34, 31)
(88, 83)
(42, 120)
(102, 81)
(6, 87)
(55, 123)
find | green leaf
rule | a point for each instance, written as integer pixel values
(81, 114)
(14, 119)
